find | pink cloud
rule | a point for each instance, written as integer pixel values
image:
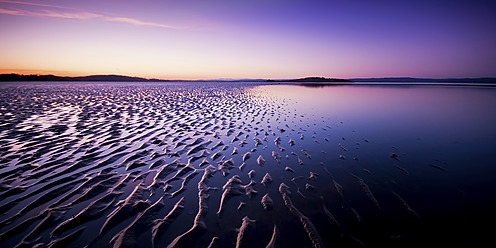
(71, 13)
(49, 13)
(35, 4)
(12, 12)
(138, 22)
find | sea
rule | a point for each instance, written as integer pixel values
(246, 164)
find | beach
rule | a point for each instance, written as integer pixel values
(224, 164)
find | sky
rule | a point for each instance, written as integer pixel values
(269, 39)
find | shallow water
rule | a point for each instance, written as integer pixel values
(121, 164)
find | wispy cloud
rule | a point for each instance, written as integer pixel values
(53, 11)
(36, 4)
(49, 13)
(138, 22)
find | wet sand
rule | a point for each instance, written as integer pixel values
(208, 165)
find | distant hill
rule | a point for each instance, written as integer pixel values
(93, 78)
(313, 80)
(119, 78)
(306, 81)
(424, 80)
(108, 78)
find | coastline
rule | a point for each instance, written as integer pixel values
(307, 81)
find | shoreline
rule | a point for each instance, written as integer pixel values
(248, 82)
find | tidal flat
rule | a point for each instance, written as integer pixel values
(246, 165)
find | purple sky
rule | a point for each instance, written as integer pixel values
(249, 39)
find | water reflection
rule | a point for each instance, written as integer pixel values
(444, 138)
(433, 113)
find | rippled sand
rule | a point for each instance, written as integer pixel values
(187, 166)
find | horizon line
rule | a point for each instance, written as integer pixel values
(240, 79)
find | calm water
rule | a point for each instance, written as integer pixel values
(104, 164)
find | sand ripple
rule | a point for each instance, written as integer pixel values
(129, 165)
